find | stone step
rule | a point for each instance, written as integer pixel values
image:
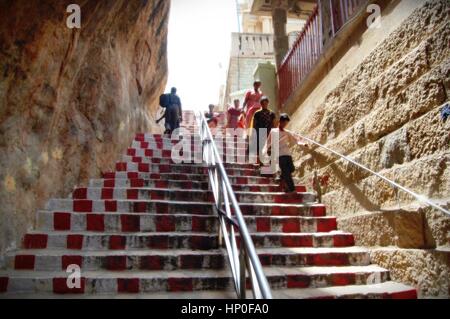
(160, 259)
(384, 290)
(119, 222)
(138, 183)
(94, 282)
(194, 158)
(176, 240)
(117, 260)
(178, 168)
(191, 143)
(240, 180)
(186, 195)
(194, 148)
(169, 161)
(180, 207)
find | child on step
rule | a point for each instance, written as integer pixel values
(286, 140)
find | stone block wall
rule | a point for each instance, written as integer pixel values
(385, 114)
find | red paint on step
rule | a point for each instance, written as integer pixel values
(61, 221)
(343, 279)
(179, 284)
(191, 261)
(158, 242)
(130, 223)
(296, 241)
(60, 286)
(75, 242)
(151, 263)
(166, 153)
(155, 176)
(137, 182)
(162, 184)
(328, 259)
(121, 167)
(318, 211)
(107, 193)
(80, 193)
(165, 223)
(298, 281)
(117, 242)
(131, 152)
(139, 207)
(136, 159)
(148, 153)
(408, 294)
(291, 225)
(116, 262)
(66, 261)
(82, 206)
(266, 259)
(130, 285)
(202, 243)
(343, 240)
(157, 195)
(132, 194)
(95, 222)
(165, 168)
(285, 211)
(110, 206)
(144, 167)
(4, 284)
(109, 175)
(198, 224)
(326, 225)
(131, 175)
(35, 241)
(24, 262)
(109, 183)
(263, 224)
(162, 208)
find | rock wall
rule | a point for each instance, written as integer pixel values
(71, 100)
(385, 115)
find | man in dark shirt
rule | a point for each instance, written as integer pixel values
(263, 122)
(174, 114)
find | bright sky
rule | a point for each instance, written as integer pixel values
(199, 49)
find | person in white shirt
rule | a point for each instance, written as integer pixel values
(286, 140)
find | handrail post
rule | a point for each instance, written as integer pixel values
(224, 196)
(242, 262)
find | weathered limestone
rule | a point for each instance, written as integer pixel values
(385, 115)
(427, 270)
(71, 99)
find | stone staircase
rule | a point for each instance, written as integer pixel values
(148, 230)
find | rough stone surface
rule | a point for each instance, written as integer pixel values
(72, 99)
(427, 270)
(385, 114)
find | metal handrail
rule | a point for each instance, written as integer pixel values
(419, 197)
(245, 257)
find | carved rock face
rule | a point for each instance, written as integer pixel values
(72, 99)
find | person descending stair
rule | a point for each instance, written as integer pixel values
(285, 141)
(148, 229)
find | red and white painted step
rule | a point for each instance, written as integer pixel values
(149, 229)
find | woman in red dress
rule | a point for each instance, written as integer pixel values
(251, 103)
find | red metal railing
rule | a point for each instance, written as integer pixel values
(342, 11)
(309, 45)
